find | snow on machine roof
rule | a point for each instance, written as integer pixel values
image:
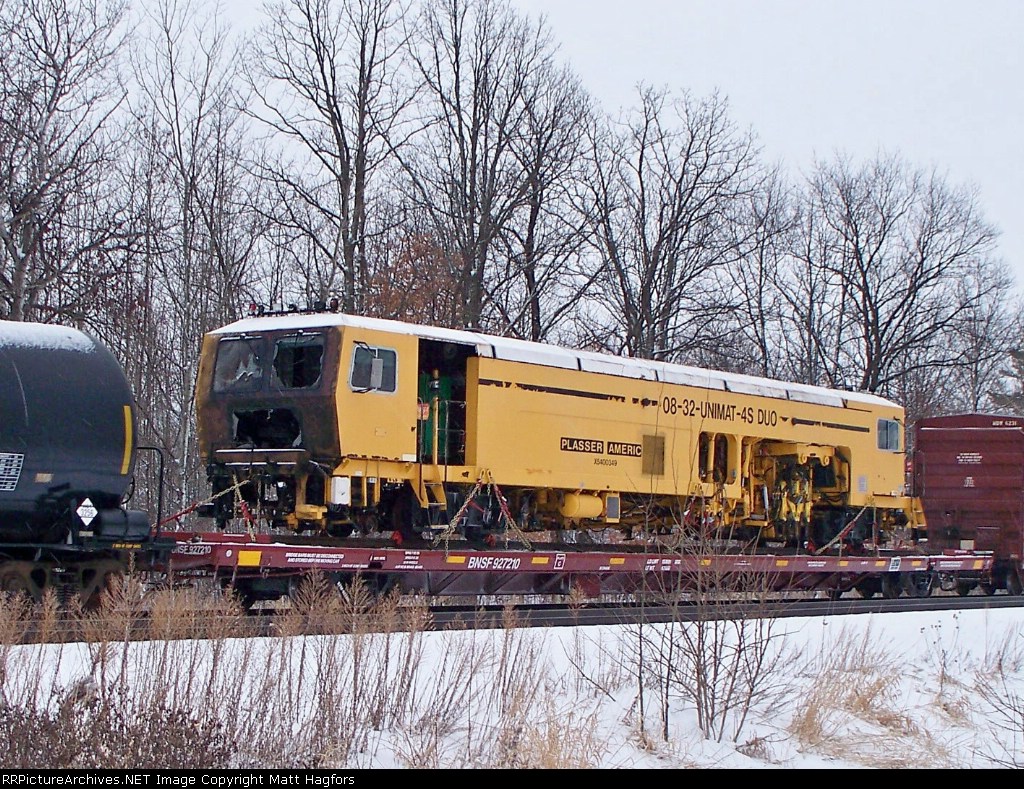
(513, 350)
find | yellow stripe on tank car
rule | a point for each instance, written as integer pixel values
(126, 459)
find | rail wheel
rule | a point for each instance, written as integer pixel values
(1013, 583)
(26, 579)
(988, 588)
(340, 529)
(963, 588)
(891, 586)
(919, 584)
(242, 594)
(96, 579)
(868, 589)
(367, 523)
(362, 592)
(406, 516)
(14, 580)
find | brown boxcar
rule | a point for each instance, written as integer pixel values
(969, 473)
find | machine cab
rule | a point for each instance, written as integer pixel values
(266, 391)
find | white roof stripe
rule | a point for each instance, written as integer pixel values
(555, 356)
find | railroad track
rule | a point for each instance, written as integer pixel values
(559, 615)
(283, 621)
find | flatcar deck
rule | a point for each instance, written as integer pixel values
(458, 568)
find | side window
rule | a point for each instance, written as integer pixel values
(889, 435)
(298, 361)
(239, 367)
(373, 369)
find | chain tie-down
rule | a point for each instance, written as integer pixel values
(506, 515)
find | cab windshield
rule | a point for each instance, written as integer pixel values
(298, 361)
(239, 365)
(242, 365)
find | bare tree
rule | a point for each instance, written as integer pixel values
(982, 339)
(59, 87)
(666, 191)
(1005, 390)
(765, 235)
(1008, 393)
(812, 307)
(987, 333)
(478, 62)
(719, 657)
(538, 280)
(324, 75)
(197, 231)
(888, 247)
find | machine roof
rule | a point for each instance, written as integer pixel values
(510, 349)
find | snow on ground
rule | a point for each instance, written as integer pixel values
(941, 689)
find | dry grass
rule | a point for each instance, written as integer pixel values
(552, 738)
(855, 710)
(824, 724)
(188, 613)
(818, 718)
(136, 687)
(1004, 654)
(998, 696)
(133, 682)
(758, 748)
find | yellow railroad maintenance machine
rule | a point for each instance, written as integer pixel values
(335, 423)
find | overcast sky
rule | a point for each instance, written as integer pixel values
(939, 81)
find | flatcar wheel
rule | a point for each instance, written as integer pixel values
(918, 584)
(97, 579)
(963, 588)
(987, 588)
(890, 586)
(14, 582)
(867, 589)
(361, 592)
(1013, 583)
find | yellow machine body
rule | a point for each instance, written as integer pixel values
(372, 424)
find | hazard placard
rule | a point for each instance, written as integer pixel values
(87, 512)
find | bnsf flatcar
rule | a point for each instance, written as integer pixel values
(332, 422)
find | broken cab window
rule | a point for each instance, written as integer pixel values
(238, 367)
(373, 369)
(298, 361)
